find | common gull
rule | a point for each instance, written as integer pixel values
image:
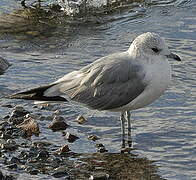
(119, 82)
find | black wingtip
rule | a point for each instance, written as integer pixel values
(36, 94)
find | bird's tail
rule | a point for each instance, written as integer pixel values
(37, 94)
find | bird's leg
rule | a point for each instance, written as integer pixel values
(129, 139)
(122, 119)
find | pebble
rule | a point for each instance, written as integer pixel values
(70, 137)
(99, 145)
(4, 64)
(102, 150)
(58, 123)
(93, 137)
(81, 120)
(6, 117)
(63, 149)
(99, 176)
(30, 127)
(17, 115)
(60, 174)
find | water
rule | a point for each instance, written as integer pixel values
(165, 131)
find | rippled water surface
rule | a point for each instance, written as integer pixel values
(44, 50)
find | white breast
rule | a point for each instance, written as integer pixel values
(158, 78)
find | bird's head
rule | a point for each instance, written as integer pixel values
(151, 45)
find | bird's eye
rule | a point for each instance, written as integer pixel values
(156, 50)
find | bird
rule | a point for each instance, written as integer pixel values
(119, 82)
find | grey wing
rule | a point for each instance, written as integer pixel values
(106, 84)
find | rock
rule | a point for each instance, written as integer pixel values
(9, 145)
(99, 176)
(6, 116)
(81, 119)
(70, 137)
(60, 174)
(99, 145)
(63, 149)
(58, 123)
(19, 111)
(93, 137)
(44, 106)
(43, 154)
(4, 64)
(17, 115)
(102, 150)
(29, 126)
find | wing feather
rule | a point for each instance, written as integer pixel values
(108, 83)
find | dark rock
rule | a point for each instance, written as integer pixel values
(6, 116)
(99, 145)
(18, 111)
(102, 150)
(58, 123)
(43, 155)
(70, 137)
(12, 166)
(4, 64)
(17, 115)
(93, 137)
(60, 174)
(63, 149)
